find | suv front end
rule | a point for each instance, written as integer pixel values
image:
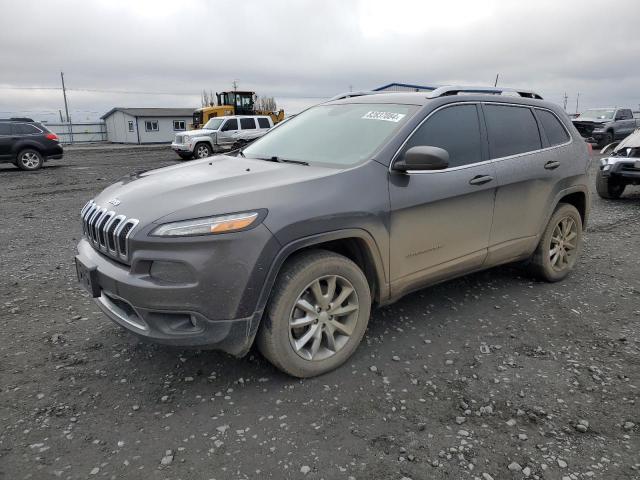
(183, 290)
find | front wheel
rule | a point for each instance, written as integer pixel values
(202, 150)
(559, 246)
(605, 140)
(30, 160)
(608, 187)
(317, 314)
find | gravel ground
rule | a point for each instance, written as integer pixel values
(488, 376)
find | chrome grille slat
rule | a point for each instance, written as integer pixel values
(106, 231)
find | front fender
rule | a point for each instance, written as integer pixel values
(286, 251)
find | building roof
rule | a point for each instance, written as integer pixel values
(151, 112)
(403, 85)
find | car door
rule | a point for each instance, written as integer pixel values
(228, 132)
(528, 171)
(627, 122)
(5, 140)
(249, 130)
(440, 221)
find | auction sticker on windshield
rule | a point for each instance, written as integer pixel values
(386, 116)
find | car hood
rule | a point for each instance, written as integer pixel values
(201, 131)
(632, 141)
(590, 120)
(211, 186)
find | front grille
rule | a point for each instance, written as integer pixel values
(585, 128)
(106, 231)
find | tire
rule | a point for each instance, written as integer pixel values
(608, 187)
(29, 159)
(277, 339)
(186, 156)
(558, 235)
(606, 140)
(202, 150)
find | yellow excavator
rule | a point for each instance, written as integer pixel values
(232, 103)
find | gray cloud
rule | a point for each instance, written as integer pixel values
(303, 51)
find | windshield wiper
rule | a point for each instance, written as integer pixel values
(284, 160)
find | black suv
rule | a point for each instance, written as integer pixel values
(27, 144)
(354, 202)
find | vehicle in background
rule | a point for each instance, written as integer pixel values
(220, 134)
(232, 103)
(27, 144)
(354, 202)
(619, 169)
(605, 125)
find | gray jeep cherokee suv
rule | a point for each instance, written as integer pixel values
(354, 202)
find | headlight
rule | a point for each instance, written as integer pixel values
(207, 226)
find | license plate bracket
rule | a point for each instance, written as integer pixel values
(88, 278)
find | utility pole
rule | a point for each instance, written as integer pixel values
(495, 84)
(351, 88)
(61, 119)
(235, 85)
(565, 101)
(577, 101)
(66, 107)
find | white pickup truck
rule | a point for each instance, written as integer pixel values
(221, 134)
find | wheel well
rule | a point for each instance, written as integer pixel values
(578, 200)
(356, 250)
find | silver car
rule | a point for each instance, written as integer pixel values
(220, 134)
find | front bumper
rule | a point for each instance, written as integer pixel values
(621, 167)
(182, 147)
(215, 308)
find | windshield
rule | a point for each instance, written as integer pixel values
(598, 113)
(332, 134)
(214, 123)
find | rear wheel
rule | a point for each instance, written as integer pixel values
(608, 187)
(559, 246)
(30, 160)
(317, 314)
(202, 150)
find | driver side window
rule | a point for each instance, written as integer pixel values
(456, 129)
(231, 124)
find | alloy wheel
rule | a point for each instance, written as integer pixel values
(323, 318)
(202, 152)
(30, 160)
(563, 244)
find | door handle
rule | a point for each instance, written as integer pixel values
(552, 165)
(480, 180)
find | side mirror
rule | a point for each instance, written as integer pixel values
(423, 158)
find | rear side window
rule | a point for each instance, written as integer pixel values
(25, 129)
(512, 130)
(5, 128)
(231, 124)
(247, 123)
(263, 123)
(456, 129)
(556, 133)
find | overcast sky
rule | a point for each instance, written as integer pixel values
(165, 52)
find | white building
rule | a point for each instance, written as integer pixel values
(146, 125)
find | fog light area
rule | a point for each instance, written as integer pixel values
(171, 272)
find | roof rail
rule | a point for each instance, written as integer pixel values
(359, 93)
(456, 90)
